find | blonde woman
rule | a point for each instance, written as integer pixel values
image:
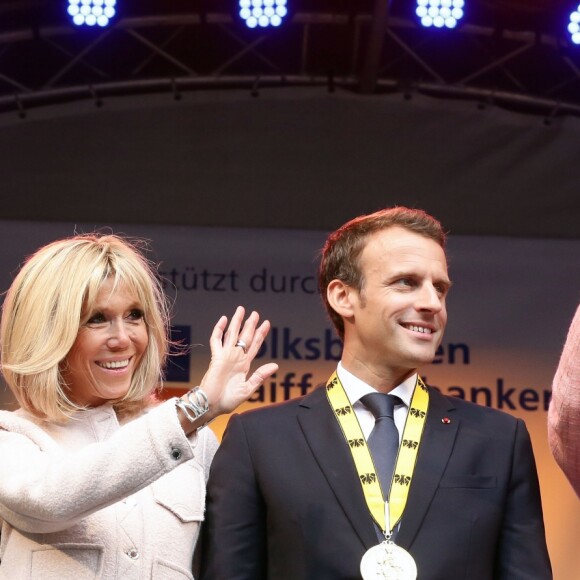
(98, 479)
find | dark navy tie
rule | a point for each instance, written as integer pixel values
(383, 441)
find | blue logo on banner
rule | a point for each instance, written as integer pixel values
(177, 370)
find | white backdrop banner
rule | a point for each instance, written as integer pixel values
(509, 311)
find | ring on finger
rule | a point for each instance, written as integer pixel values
(242, 345)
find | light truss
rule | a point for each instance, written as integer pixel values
(537, 73)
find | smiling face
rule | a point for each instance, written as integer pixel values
(396, 322)
(108, 348)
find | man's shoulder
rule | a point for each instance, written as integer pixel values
(285, 409)
(469, 409)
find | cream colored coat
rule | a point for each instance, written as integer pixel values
(94, 499)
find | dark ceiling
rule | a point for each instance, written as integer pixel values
(512, 52)
(507, 55)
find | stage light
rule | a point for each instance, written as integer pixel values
(574, 26)
(91, 12)
(440, 13)
(262, 13)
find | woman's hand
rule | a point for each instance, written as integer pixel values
(225, 383)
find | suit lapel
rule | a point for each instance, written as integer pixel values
(436, 447)
(328, 446)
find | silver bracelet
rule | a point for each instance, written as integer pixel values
(196, 406)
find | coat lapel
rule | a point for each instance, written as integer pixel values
(436, 447)
(328, 446)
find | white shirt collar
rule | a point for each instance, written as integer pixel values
(355, 388)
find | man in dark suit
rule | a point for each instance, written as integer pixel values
(296, 491)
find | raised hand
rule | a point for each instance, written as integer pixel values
(233, 348)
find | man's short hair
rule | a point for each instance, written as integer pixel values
(343, 247)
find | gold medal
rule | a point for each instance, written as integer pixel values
(387, 561)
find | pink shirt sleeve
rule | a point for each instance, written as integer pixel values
(564, 412)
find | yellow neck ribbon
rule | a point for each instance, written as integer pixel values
(406, 458)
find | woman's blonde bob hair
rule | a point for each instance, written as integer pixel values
(52, 297)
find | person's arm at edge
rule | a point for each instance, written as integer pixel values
(564, 411)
